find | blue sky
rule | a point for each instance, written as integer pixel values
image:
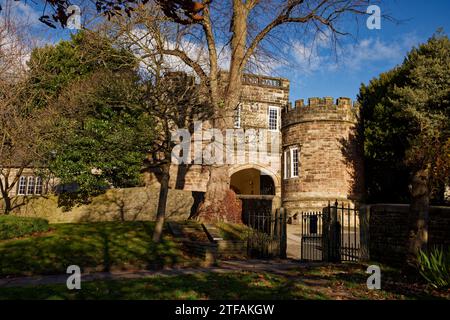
(317, 70)
(373, 52)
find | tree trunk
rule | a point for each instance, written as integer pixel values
(7, 203)
(215, 206)
(162, 203)
(418, 215)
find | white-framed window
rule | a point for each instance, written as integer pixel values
(274, 118)
(22, 185)
(294, 162)
(237, 117)
(39, 186)
(291, 163)
(286, 164)
(31, 185)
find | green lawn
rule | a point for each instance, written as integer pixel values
(321, 282)
(232, 231)
(99, 246)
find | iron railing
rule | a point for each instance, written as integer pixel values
(331, 235)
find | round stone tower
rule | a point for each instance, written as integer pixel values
(322, 158)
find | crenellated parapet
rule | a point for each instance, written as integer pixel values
(323, 135)
(320, 109)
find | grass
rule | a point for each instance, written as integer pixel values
(232, 231)
(99, 246)
(15, 227)
(232, 285)
(104, 246)
(336, 282)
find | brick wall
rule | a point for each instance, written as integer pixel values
(388, 231)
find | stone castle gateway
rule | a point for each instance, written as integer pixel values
(319, 158)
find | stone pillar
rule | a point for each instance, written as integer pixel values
(364, 232)
(331, 238)
(283, 239)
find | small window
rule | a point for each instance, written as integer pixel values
(237, 117)
(22, 186)
(286, 164)
(31, 185)
(294, 162)
(274, 118)
(38, 185)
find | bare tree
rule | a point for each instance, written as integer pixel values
(173, 100)
(198, 33)
(23, 129)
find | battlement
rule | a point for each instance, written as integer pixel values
(317, 109)
(322, 102)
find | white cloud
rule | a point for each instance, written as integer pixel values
(319, 56)
(307, 57)
(367, 51)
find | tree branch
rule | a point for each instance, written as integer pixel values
(187, 60)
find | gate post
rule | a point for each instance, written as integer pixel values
(364, 235)
(325, 233)
(331, 239)
(283, 236)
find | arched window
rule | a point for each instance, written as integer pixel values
(38, 185)
(31, 185)
(22, 186)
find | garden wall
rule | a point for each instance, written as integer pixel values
(116, 204)
(388, 230)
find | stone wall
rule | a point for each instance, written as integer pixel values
(330, 161)
(115, 205)
(388, 231)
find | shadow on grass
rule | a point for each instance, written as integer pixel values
(101, 246)
(394, 283)
(236, 285)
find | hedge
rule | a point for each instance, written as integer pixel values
(14, 227)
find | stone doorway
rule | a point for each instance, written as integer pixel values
(252, 182)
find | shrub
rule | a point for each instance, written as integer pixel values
(434, 266)
(14, 227)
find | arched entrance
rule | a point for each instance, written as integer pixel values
(257, 188)
(254, 179)
(252, 182)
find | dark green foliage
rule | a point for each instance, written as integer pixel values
(406, 116)
(52, 68)
(107, 145)
(15, 227)
(107, 134)
(434, 266)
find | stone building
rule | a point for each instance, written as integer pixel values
(322, 159)
(317, 159)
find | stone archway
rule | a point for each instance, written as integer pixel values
(258, 189)
(253, 179)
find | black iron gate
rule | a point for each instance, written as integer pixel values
(267, 233)
(331, 235)
(311, 248)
